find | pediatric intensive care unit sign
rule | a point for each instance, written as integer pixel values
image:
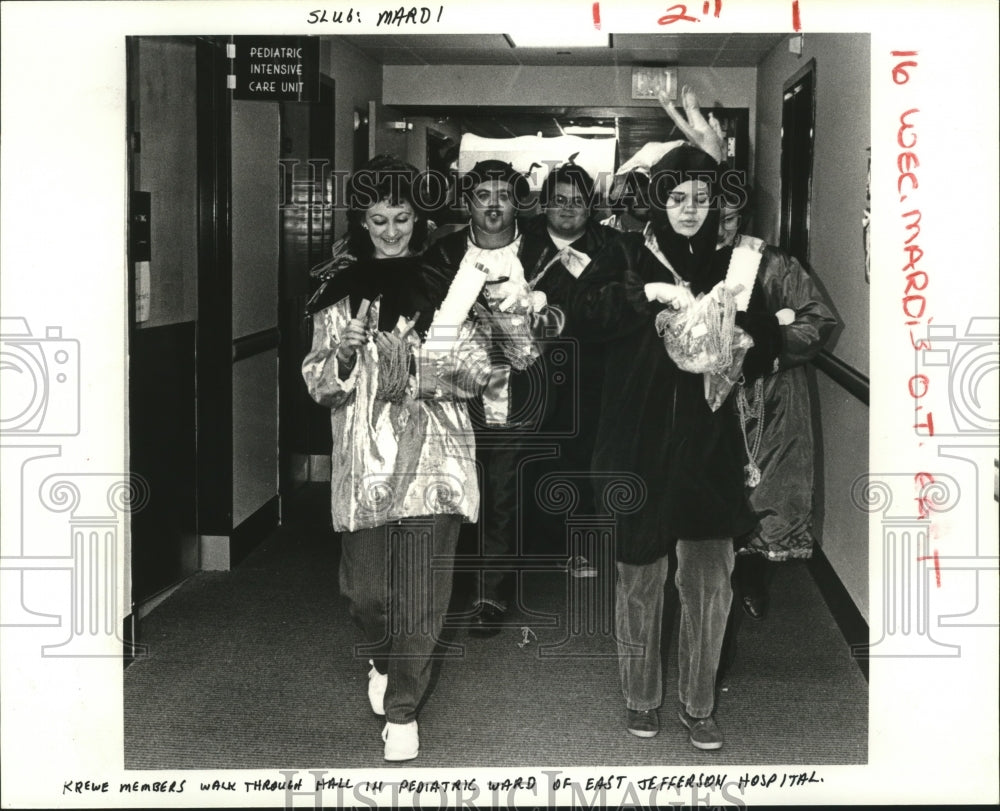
(274, 68)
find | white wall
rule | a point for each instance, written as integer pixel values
(840, 165)
(255, 199)
(358, 81)
(842, 136)
(167, 106)
(255, 433)
(842, 528)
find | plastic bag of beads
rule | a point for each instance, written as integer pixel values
(699, 337)
(703, 338)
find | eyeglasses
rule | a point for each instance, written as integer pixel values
(486, 197)
(561, 201)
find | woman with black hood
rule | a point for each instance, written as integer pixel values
(685, 459)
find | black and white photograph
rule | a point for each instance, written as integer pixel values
(562, 404)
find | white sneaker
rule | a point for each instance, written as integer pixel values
(401, 741)
(579, 566)
(376, 689)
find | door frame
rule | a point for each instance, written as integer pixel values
(215, 291)
(164, 350)
(790, 201)
(299, 462)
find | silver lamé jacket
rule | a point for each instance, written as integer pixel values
(394, 460)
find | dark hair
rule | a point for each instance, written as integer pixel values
(736, 191)
(568, 173)
(690, 257)
(496, 170)
(385, 178)
(681, 164)
(634, 191)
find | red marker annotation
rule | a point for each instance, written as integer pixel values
(677, 13)
(937, 566)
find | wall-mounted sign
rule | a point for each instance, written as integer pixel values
(274, 68)
(647, 83)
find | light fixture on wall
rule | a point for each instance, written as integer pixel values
(561, 40)
(795, 44)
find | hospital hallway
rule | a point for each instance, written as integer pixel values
(336, 339)
(230, 565)
(253, 668)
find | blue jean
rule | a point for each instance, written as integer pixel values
(703, 576)
(397, 580)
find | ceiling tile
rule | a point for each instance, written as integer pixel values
(477, 41)
(584, 57)
(402, 56)
(466, 56)
(686, 56)
(675, 40)
(689, 50)
(368, 41)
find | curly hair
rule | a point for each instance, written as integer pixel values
(501, 172)
(385, 178)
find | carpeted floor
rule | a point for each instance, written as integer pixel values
(253, 669)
